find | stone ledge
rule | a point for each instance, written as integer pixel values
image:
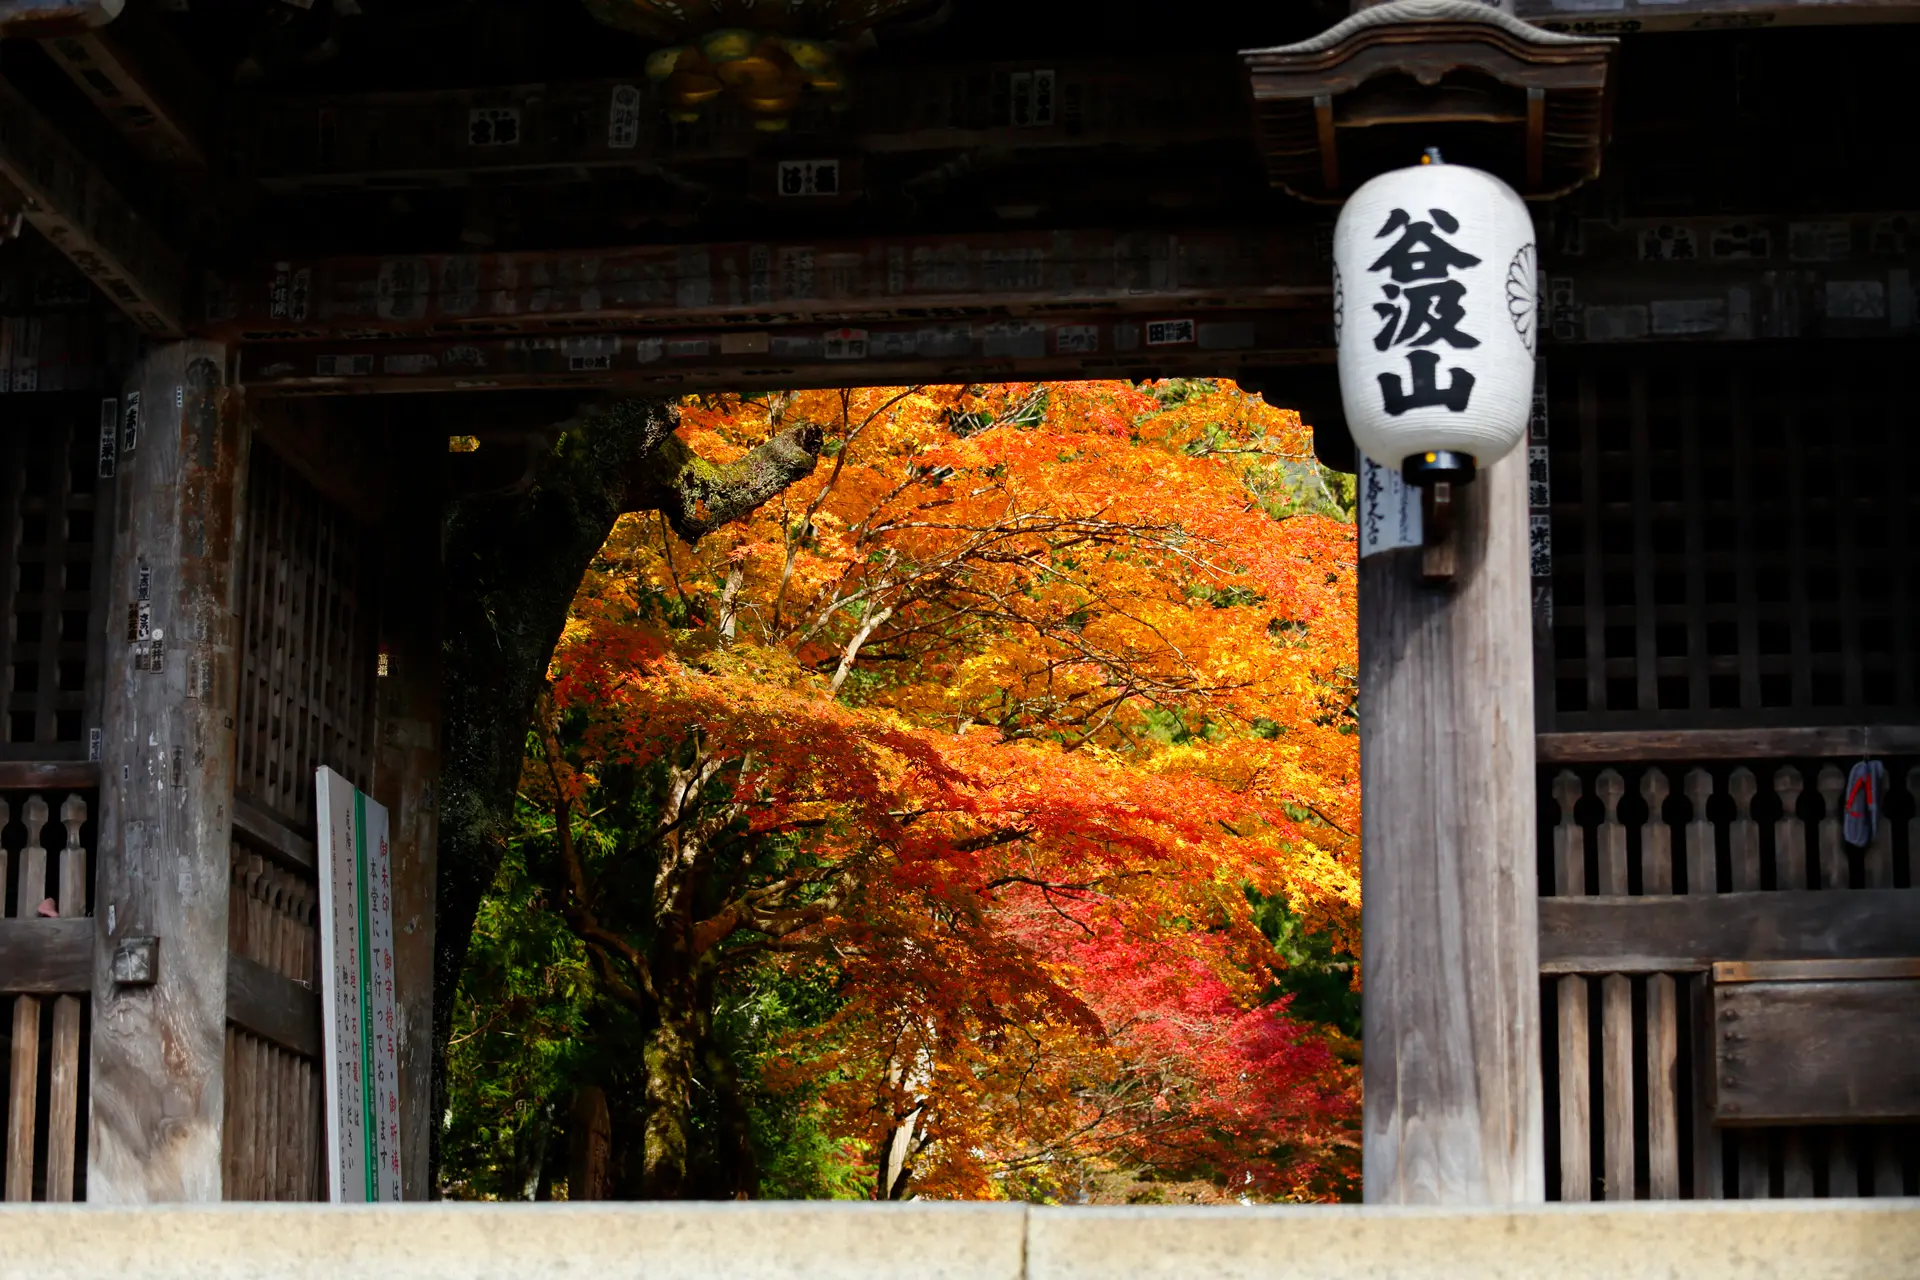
(1800, 1240)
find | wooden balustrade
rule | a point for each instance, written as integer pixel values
(1642, 897)
(46, 1067)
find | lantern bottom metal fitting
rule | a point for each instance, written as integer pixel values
(1439, 466)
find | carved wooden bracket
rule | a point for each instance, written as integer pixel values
(1493, 91)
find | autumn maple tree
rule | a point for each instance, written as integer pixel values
(982, 755)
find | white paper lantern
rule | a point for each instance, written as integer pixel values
(1435, 305)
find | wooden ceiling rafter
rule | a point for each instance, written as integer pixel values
(83, 215)
(1432, 62)
(144, 83)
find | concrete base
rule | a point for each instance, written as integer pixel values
(1791, 1240)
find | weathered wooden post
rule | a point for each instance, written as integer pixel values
(1450, 913)
(167, 759)
(406, 768)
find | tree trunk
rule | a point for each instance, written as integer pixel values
(669, 1062)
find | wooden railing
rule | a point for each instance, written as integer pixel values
(46, 968)
(1651, 874)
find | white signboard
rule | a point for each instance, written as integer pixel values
(356, 966)
(1389, 509)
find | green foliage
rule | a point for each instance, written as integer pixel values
(1318, 972)
(520, 1041)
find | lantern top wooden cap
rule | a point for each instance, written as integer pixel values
(1499, 93)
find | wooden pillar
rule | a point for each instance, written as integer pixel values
(406, 767)
(167, 764)
(1449, 914)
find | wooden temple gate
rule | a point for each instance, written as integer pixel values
(221, 511)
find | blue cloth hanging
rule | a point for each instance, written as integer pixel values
(1866, 787)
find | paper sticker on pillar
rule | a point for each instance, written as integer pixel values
(109, 437)
(944, 340)
(1014, 341)
(1687, 317)
(1170, 333)
(591, 354)
(1740, 241)
(1668, 244)
(1076, 339)
(623, 118)
(1389, 513)
(844, 344)
(290, 296)
(803, 179)
(493, 127)
(130, 422)
(1540, 544)
(402, 289)
(1819, 241)
(1856, 300)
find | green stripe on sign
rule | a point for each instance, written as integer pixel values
(370, 1136)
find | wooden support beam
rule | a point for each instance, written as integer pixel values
(1690, 934)
(273, 1007)
(262, 831)
(143, 82)
(925, 280)
(1630, 17)
(166, 824)
(1452, 1005)
(55, 17)
(406, 769)
(1084, 344)
(46, 957)
(72, 204)
(568, 131)
(1649, 745)
(49, 775)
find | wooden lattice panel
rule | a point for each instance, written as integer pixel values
(55, 544)
(1733, 538)
(308, 649)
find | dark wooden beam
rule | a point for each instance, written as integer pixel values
(1090, 343)
(273, 1007)
(55, 17)
(568, 131)
(1634, 746)
(927, 280)
(1630, 17)
(1689, 934)
(46, 957)
(48, 775)
(73, 205)
(260, 830)
(143, 82)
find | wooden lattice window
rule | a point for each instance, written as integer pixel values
(52, 519)
(308, 644)
(1733, 538)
